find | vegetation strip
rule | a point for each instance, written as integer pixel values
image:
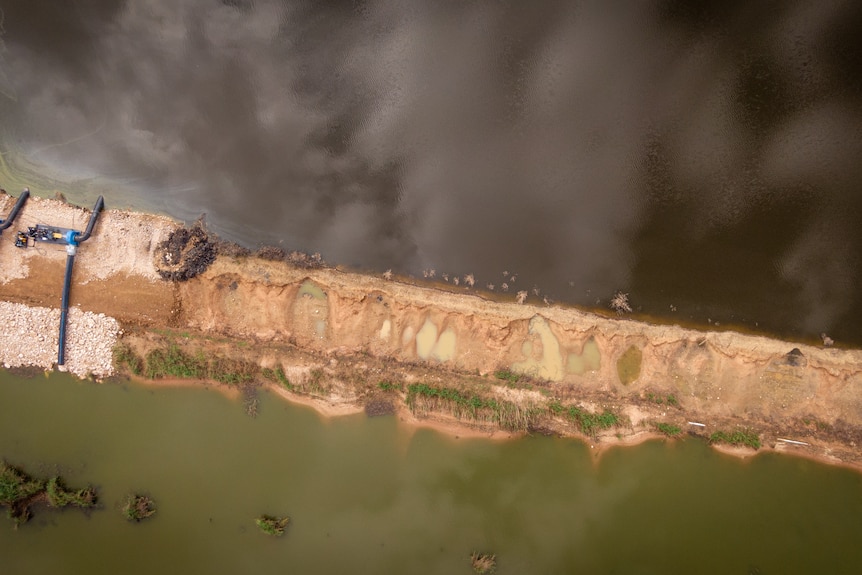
(423, 397)
(587, 422)
(738, 437)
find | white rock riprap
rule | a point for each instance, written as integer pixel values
(29, 337)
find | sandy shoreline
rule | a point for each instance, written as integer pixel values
(455, 429)
(349, 331)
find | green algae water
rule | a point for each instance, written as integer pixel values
(368, 496)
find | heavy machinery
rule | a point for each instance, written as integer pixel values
(47, 234)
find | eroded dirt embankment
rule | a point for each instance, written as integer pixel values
(324, 326)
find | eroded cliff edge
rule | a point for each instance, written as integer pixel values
(348, 333)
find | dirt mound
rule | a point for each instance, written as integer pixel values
(186, 253)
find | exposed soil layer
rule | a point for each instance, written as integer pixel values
(355, 341)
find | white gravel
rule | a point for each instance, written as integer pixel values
(29, 337)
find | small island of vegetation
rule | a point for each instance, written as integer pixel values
(138, 507)
(19, 492)
(272, 525)
(483, 562)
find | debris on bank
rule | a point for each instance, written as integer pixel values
(186, 253)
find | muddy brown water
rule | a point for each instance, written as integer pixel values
(366, 495)
(702, 157)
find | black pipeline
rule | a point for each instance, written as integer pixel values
(22, 199)
(73, 240)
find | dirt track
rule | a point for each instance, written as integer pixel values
(303, 318)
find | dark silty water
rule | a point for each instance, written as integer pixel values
(701, 156)
(366, 496)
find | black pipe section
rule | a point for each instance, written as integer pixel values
(100, 204)
(22, 199)
(67, 281)
(64, 309)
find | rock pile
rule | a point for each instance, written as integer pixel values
(29, 337)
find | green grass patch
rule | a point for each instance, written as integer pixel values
(278, 376)
(390, 386)
(738, 437)
(592, 423)
(16, 485)
(670, 399)
(315, 384)
(587, 422)
(507, 375)
(422, 397)
(174, 362)
(125, 357)
(556, 407)
(231, 371)
(668, 429)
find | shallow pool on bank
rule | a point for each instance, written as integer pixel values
(372, 496)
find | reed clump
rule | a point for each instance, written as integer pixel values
(272, 525)
(59, 496)
(231, 371)
(423, 397)
(668, 429)
(483, 562)
(174, 362)
(138, 507)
